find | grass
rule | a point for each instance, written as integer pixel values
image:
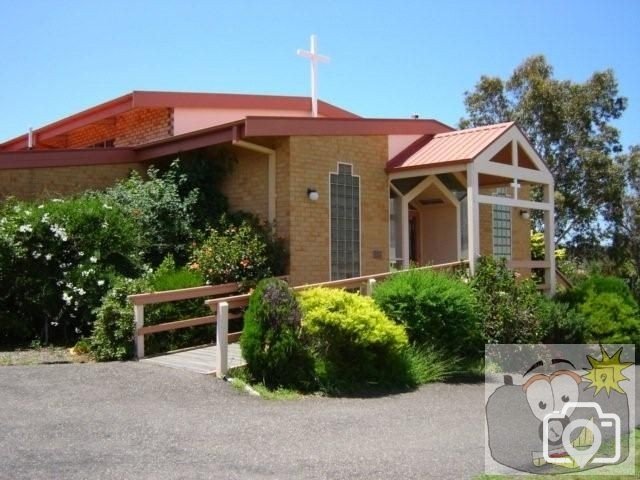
(241, 381)
(604, 473)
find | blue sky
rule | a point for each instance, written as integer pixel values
(388, 59)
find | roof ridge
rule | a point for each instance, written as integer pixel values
(466, 131)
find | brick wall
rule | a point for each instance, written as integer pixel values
(37, 183)
(143, 125)
(135, 127)
(312, 159)
(246, 186)
(520, 231)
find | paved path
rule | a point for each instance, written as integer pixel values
(140, 421)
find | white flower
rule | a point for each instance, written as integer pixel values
(36, 254)
(86, 273)
(100, 283)
(59, 283)
(54, 324)
(67, 298)
(59, 232)
(57, 200)
(108, 207)
(45, 218)
(40, 206)
(78, 331)
(27, 212)
(105, 225)
(25, 228)
(81, 291)
(93, 259)
(48, 256)
(81, 254)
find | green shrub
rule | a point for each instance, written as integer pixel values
(57, 260)
(597, 284)
(163, 211)
(352, 340)
(113, 332)
(427, 365)
(236, 253)
(512, 311)
(610, 319)
(271, 339)
(562, 323)
(114, 328)
(436, 309)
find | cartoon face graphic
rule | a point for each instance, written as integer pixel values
(553, 423)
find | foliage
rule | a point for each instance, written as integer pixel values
(162, 209)
(537, 248)
(570, 126)
(271, 339)
(113, 332)
(625, 216)
(204, 171)
(610, 319)
(112, 337)
(607, 308)
(512, 311)
(425, 364)
(594, 285)
(562, 323)
(353, 342)
(57, 259)
(237, 252)
(436, 310)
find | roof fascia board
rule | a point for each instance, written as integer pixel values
(28, 159)
(259, 126)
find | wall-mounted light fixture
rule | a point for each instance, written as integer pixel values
(313, 194)
(525, 215)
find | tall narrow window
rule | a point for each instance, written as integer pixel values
(345, 223)
(501, 229)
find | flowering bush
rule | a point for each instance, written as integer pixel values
(57, 259)
(162, 210)
(112, 337)
(238, 252)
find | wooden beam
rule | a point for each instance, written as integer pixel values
(510, 202)
(511, 172)
(473, 217)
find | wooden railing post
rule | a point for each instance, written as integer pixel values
(138, 316)
(222, 331)
(371, 284)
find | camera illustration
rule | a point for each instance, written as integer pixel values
(559, 442)
(547, 413)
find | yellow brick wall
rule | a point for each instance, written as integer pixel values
(39, 183)
(520, 231)
(312, 159)
(246, 185)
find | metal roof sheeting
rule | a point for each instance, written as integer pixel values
(452, 147)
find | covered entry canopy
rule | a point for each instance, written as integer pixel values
(494, 165)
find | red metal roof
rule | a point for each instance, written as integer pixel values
(459, 146)
(145, 99)
(250, 127)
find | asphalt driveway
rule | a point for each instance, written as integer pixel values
(131, 420)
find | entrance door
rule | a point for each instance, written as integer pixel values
(414, 237)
